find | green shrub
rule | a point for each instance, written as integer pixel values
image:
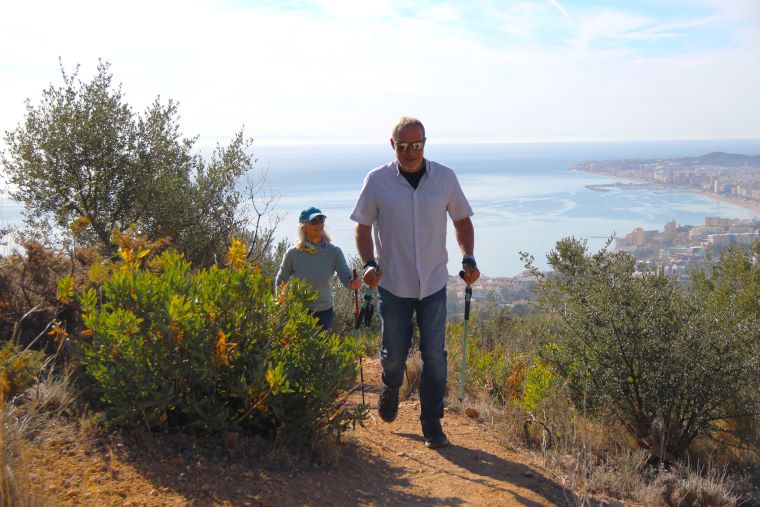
(498, 352)
(488, 368)
(665, 362)
(214, 350)
(538, 380)
(727, 295)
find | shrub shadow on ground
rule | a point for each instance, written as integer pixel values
(203, 472)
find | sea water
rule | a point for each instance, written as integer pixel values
(525, 197)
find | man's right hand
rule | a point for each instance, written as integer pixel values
(372, 276)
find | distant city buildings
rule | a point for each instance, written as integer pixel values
(723, 174)
(497, 292)
(676, 248)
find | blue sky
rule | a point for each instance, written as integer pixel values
(344, 71)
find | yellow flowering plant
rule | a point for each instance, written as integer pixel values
(214, 349)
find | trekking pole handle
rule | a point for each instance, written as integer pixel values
(467, 297)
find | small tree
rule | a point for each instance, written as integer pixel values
(83, 158)
(636, 347)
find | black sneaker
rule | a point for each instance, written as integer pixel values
(434, 435)
(387, 405)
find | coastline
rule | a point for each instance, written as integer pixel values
(741, 202)
(753, 206)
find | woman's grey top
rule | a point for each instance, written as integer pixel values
(317, 269)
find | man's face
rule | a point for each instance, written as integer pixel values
(409, 137)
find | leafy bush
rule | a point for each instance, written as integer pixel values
(727, 293)
(665, 363)
(538, 380)
(214, 349)
(500, 350)
(488, 366)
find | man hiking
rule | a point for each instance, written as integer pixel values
(403, 207)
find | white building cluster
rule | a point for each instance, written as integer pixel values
(676, 248)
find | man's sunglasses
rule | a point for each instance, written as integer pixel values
(402, 147)
(317, 220)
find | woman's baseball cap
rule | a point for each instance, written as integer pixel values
(310, 214)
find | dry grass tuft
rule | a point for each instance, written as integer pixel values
(29, 417)
(619, 474)
(685, 486)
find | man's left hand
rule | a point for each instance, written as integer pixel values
(470, 272)
(471, 275)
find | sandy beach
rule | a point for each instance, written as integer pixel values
(753, 206)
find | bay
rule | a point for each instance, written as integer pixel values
(525, 197)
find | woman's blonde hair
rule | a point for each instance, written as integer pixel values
(300, 241)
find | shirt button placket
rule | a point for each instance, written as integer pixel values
(417, 225)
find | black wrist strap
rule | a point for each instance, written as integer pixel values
(469, 260)
(370, 263)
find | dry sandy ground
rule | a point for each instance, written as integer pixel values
(380, 464)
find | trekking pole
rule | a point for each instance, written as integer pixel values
(365, 317)
(467, 297)
(357, 323)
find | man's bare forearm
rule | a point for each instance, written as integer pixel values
(366, 249)
(364, 242)
(466, 239)
(465, 234)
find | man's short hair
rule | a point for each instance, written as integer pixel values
(406, 121)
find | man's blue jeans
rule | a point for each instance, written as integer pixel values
(396, 318)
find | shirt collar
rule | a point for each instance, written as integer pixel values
(425, 167)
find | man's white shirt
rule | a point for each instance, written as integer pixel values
(409, 226)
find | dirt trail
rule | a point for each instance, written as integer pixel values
(383, 464)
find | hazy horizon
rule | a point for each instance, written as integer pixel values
(367, 142)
